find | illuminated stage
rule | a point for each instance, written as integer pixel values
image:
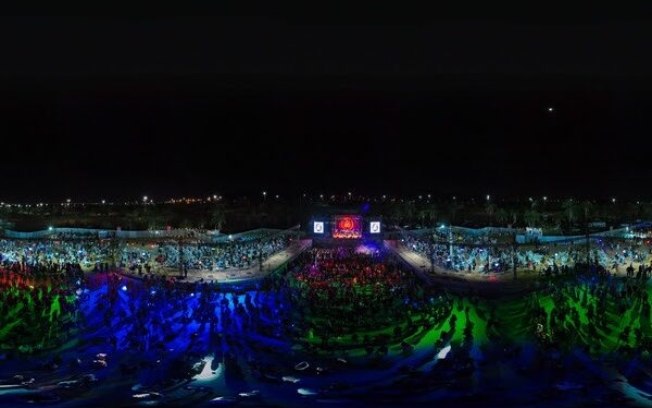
(346, 227)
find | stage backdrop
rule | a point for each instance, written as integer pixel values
(346, 226)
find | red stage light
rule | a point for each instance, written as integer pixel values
(346, 223)
(346, 226)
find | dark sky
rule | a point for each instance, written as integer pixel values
(119, 107)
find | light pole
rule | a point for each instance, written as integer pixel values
(450, 243)
(514, 253)
(265, 196)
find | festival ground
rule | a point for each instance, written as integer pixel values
(503, 283)
(350, 326)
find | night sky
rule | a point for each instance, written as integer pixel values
(121, 107)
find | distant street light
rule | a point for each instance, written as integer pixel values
(488, 197)
(265, 195)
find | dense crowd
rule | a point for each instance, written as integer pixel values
(36, 310)
(354, 303)
(594, 310)
(200, 256)
(632, 257)
(345, 295)
(343, 275)
(55, 256)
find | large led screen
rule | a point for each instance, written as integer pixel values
(346, 226)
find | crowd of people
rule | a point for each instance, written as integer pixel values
(354, 297)
(55, 256)
(343, 302)
(631, 257)
(36, 311)
(199, 256)
(153, 329)
(593, 310)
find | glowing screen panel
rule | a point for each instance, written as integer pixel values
(318, 227)
(346, 226)
(374, 227)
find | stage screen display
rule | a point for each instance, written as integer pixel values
(374, 227)
(346, 226)
(318, 227)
